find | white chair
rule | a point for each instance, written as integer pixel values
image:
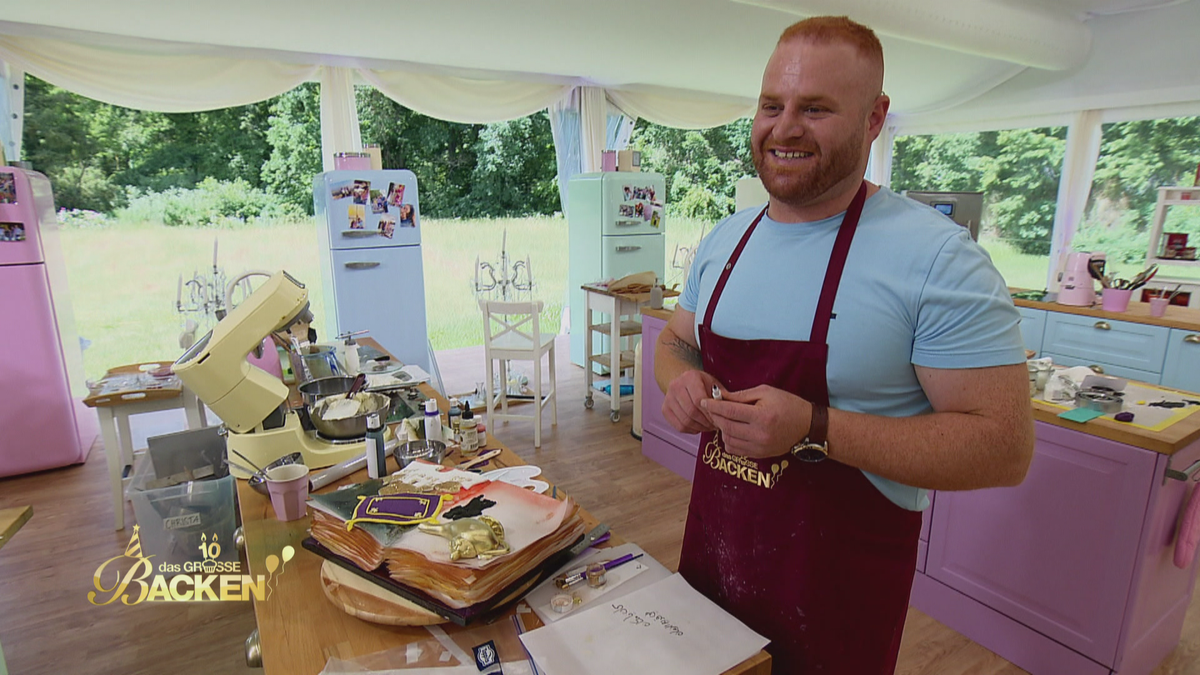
(512, 332)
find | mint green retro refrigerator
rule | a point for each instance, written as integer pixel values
(617, 227)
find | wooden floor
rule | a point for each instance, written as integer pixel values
(48, 626)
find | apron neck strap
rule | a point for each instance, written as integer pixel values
(737, 253)
(833, 273)
(837, 263)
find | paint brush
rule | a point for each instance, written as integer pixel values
(568, 580)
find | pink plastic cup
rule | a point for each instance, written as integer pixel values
(288, 487)
(1158, 306)
(1115, 300)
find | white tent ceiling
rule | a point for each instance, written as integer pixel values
(1140, 52)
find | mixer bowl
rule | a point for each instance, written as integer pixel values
(315, 390)
(350, 427)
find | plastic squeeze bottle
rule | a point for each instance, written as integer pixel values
(433, 421)
(376, 451)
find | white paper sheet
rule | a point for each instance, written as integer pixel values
(666, 628)
(623, 580)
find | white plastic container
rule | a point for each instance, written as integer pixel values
(172, 519)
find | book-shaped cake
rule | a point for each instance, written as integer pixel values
(448, 533)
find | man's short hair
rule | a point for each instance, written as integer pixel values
(827, 29)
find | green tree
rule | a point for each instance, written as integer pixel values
(942, 162)
(1137, 158)
(441, 154)
(58, 141)
(701, 167)
(1018, 171)
(294, 136)
(515, 170)
(1020, 181)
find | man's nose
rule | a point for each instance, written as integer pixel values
(790, 124)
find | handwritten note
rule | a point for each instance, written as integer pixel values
(621, 581)
(664, 628)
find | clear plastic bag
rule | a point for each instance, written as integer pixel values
(446, 652)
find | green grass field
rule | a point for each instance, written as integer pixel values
(123, 278)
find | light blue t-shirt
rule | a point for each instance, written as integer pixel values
(916, 290)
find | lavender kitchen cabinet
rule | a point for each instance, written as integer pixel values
(1070, 572)
(660, 441)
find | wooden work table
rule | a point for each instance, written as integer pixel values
(299, 629)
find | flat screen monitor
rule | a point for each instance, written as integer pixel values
(964, 208)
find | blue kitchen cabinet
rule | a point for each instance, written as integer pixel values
(1182, 367)
(1122, 348)
(1150, 377)
(1033, 325)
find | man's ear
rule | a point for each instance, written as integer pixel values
(878, 116)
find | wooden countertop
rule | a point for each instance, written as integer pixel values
(299, 629)
(1168, 441)
(664, 314)
(1183, 318)
(12, 520)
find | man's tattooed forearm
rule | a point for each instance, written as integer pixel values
(687, 353)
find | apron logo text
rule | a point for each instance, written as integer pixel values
(742, 468)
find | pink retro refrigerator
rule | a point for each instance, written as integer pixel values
(43, 423)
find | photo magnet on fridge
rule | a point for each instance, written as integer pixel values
(8, 188)
(395, 195)
(387, 225)
(12, 232)
(358, 215)
(341, 190)
(655, 216)
(628, 193)
(378, 202)
(625, 210)
(361, 191)
(408, 215)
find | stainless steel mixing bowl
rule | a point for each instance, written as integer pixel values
(350, 427)
(406, 453)
(315, 390)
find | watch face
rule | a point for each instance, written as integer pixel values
(811, 452)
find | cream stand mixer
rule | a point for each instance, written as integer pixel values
(249, 400)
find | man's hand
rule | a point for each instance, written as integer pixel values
(760, 422)
(684, 396)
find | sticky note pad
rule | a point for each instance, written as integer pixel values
(1081, 415)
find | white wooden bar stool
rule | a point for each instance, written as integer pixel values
(114, 410)
(512, 332)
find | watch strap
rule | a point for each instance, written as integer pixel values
(818, 428)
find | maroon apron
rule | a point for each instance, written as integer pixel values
(809, 555)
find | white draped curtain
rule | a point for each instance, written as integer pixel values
(879, 167)
(569, 129)
(1084, 134)
(171, 77)
(683, 110)
(339, 115)
(462, 99)
(12, 110)
(152, 77)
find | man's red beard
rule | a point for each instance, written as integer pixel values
(818, 174)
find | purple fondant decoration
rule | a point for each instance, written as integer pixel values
(397, 509)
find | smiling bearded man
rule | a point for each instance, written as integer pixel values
(862, 350)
